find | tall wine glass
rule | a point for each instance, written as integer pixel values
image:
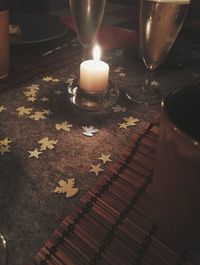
(160, 23)
(87, 16)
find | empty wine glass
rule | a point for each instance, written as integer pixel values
(87, 16)
(160, 23)
(3, 250)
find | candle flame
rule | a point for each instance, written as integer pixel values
(96, 53)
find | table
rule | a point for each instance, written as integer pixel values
(29, 209)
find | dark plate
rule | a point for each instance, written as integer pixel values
(36, 28)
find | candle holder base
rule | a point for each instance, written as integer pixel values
(93, 102)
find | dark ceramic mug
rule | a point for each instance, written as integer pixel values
(176, 182)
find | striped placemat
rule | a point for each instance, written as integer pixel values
(112, 223)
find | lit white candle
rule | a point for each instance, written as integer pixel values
(94, 74)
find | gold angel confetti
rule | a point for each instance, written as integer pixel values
(67, 187)
(89, 130)
(105, 158)
(33, 87)
(46, 143)
(24, 111)
(64, 126)
(32, 99)
(2, 108)
(47, 78)
(38, 115)
(4, 146)
(96, 169)
(118, 108)
(35, 153)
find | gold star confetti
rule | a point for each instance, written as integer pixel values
(2, 108)
(58, 92)
(30, 93)
(46, 143)
(23, 110)
(89, 130)
(66, 187)
(105, 158)
(38, 115)
(5, 142)
(69, 80)
(4, 149)
(55, 80)
(118, 108)
(47, 78)
(96, 169)
(46, 111)
(131, 121)
(64, 126)
(32, 99)
(123, 125)
(33, 87)
(44, 99)
(35, 153)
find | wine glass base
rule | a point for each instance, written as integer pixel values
(144, 97)
(93, 102)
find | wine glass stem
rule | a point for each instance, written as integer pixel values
(147, 86)
(87, 52)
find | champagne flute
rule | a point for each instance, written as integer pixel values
(87, 16)
(160, 23)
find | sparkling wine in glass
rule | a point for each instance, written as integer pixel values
(160, 23)
(87, 16)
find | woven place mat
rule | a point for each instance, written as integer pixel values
(112, 223)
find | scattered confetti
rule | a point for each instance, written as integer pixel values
(4, 149)
(66, 187)
(31, 92)
(46, 111)
(32, 99)
(2, 108)
(24, 111)
(46, 143)
(44, 99)
(118, 108)
(64, 126)
(123, 125)
(105, 158)
(89, 130)
(58, 92)
(50, 78)
(38, 115)
(155, 83)
(4, 146)
(35, 153)
(96, 169)
(128, 121)
(69, 80)
(33, 87)
(131, 121)
(122, 74)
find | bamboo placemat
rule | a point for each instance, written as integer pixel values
(112, 223)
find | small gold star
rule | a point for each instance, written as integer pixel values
(44, 99)
(4, 149)
(32, 99)
(22, 110)
(131, 121)
(35, 153)
(5, 142)
(105, 158)
(47, 78)
(123, 125)
(96, 169)
(2, 108)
